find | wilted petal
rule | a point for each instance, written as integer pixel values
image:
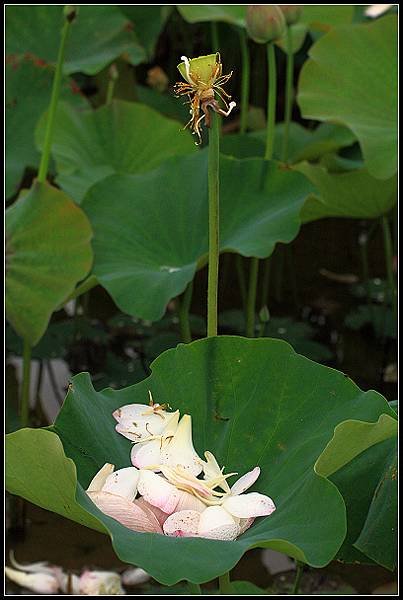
(212, 470)
(184, 523)
(216, 523)
(189, 502)
(146, 506)
(375, 10)
(123, 483)
(158, 492)
(138, 422)
(69, 583)
(249, 505)
(127, 513)
(134, 576)
(146, 454)
(98, 583)
(100, 478)
(245, 482)
(180, 450)
(41, 583)
(244, 524)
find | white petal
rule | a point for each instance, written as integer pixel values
(69, 583)
(245, 482)
(123, 483)
(180, 450)
(184, 523)
(244, 524)
(41, 583)
(189, 502)
(100, 478)
(101, 583)
(249, 505)
(127, 513)
(146, 454)
(158, 492)
(138, 422)
(134, 576)
(216, 523)
(212, 470)
(375, 10)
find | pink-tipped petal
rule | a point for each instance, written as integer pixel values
(160, 515)
(123, 483)
(245, 482)
(189, 502)
(100, 478)
(184, 523)
(244, 524)
(249, 505)
(217, 524)
(146, 454)
(127, 513)
(158, 491)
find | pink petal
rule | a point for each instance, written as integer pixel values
(249, 505)
(189, 502)
(161, 516)
(158, 491)
(127, 513)
(184, 523)
(123, 483)
(217, 524)
(245, 482)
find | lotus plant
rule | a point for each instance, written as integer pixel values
(169, 489)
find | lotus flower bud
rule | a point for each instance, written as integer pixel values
(264, 22)
(70, 12)
(292, 12)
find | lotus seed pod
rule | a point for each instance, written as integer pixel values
(200, 70)
(70, 12)
(265, 23)
(292, 12)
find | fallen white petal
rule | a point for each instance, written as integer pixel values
(69, 583)
(146, 454)
(100, 478)
(129, 514)
(244, 524)
(184, 523)
(123, 483)
(134, 576)
(249, 505)
(41, 583)
(138, 422)
(180, 450)
(216, 523)
(375, 10)
(212, 470)
(98, 583)
(245, 482)
(158, 492)
(188, 501)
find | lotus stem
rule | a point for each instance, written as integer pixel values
(245, 82)
(194, 588)
(215, 40)
(288, 93)
(26, 380)
(251, 301)
(50, 122)
(388, 246)
(297, 581)
(241, 279)
(271, 103)
(183, 313)
(214, 237)
(225, 584)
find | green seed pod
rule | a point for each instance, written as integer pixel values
(292, 12)
(202, 69)
(265, 23)
(264, 314)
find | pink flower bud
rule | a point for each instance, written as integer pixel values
(292, 12)
(264, 22)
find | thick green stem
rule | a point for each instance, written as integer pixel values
(271, 101)
(43, 167)
(288, 93)
(251, 302)
(241, 278)
(214, 224)
(225, 584)
(388, 245)
(85, 286)
(183, 313)
(245, 82)
(265, 281)
(110, 90)
(297, 581)
(26, 379)
(363, 244)
(194, 588)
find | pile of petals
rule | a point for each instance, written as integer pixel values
(44, 578)
(169, 489)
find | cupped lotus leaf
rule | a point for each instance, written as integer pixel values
(253, 402)
(149, 251)
(354, 194)
(303, 143)
(48, 251)
(351, 78)
(28, 89)
(123, 137)
(99, 34)
(368, 451)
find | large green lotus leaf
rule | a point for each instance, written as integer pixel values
(234, 14)
(253, 402)
(351, 78)
(123, 137)
(99, 34)
(48, 251)
(303, 144)
(28, 90)
(372, 501)
(148, 22)
(351, 194)
(324, 17)
(148, 244)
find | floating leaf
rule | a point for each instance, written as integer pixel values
(351, 78)
(253, 402)
(28, 90)
(351, 194)
(99, 34)
(123, 137)
(147, 248)
(48, 251)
